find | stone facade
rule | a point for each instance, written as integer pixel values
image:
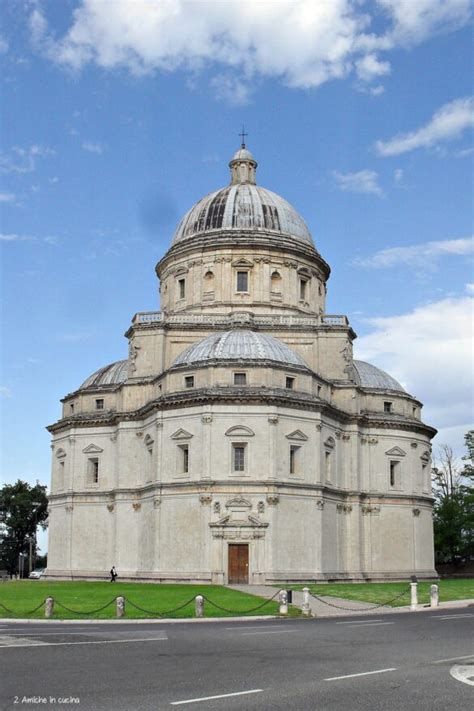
(240, 419)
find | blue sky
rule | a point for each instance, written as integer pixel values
(117, 116)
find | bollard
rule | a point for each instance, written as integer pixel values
(305, 606)
(49, 607)
(120, 606)
(434, 596)
(199, 606)
(414, 596)
(283, 598)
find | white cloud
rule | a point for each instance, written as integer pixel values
(417, 255)
(5, 392)
(469, 288)
(303, 43)
(93, 147)
(24, 160)
(14, 238)
(7, 197)
(364, 181)
(430, 351)
(446, 124)
(231, 89)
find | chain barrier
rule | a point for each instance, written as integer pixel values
(30, 612)
(159, 614)
(82, 612)
(242, 612)
(360, 609)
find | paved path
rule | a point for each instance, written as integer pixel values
(318, 608)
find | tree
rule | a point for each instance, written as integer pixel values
(22, 509)
(454, 503)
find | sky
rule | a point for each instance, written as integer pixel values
(117, 116)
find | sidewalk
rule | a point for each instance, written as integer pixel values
(337, 607)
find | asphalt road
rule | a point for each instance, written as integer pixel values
(392, 661)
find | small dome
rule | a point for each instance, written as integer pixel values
(112, 374)
(368, 376)
(240, 345)
(243, 154)
(243, 206)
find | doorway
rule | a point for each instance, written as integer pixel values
(238, 563)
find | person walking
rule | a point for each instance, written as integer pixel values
(113, 574)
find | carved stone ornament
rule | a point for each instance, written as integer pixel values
(217, 507)
(206, 419)
(319, 504)
(337, 434)
(343, 508)
(319, 428)
(363, 440)
(416, 512)
(261, 507)
(139, 434)
(156, 502)
(346, 437)
(414, 445)
(136, 506)
(205, 499)
(113, 437)
(110, 507)
(373, 440)
(273, 419)
(69, 508)
(159, 424)
(369, 509)
(273, 499)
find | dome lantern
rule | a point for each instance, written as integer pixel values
(243, 167)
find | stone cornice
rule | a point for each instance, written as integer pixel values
(248, 395)
(250, 239)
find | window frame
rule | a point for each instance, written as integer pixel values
(387, 407)
(238, 273)
(239, 373)
(394, 473)
(93, 470)
(235, 446)
(189, 382)
(295, 453)
(290, 379)
(102, 403)
(181, 288)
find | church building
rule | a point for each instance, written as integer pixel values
(240, 441)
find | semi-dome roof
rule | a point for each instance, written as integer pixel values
(243, 205)
(368, 376)
(112, 374)
(239, 345)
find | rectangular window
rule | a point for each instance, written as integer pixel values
(185, 458)
(238, 455)
(61, 475)
(189, 381)
(415, 412)
(387, 407)
(319, 390)
(182, 288)
(290, 383)
(94, 470)
(394, 472)
(294, 457)
(71, 407)
(242, 281)
(303, 287)
(99, 404)
(327, 465)
(240, 378)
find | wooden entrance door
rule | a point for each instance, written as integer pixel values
(238, 563)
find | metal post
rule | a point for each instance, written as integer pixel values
(305, 606)
(49, 607)
(414, 596)
(199, 606)
(283, 598)
(434, 596)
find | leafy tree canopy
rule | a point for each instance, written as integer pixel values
(22, 508)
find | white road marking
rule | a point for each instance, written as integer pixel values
(42, 634)
(351, 676)
(220, 696)
(451, 617)
(100, 641)
(268, 632)
(453, 659)
(372, 624)
(463, 672)
(357, 622)
(254, 627)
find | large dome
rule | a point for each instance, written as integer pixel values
(240, 345)
(112, 374)
(243, 205)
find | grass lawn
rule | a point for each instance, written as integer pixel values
(379, 593)
(84, 597)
